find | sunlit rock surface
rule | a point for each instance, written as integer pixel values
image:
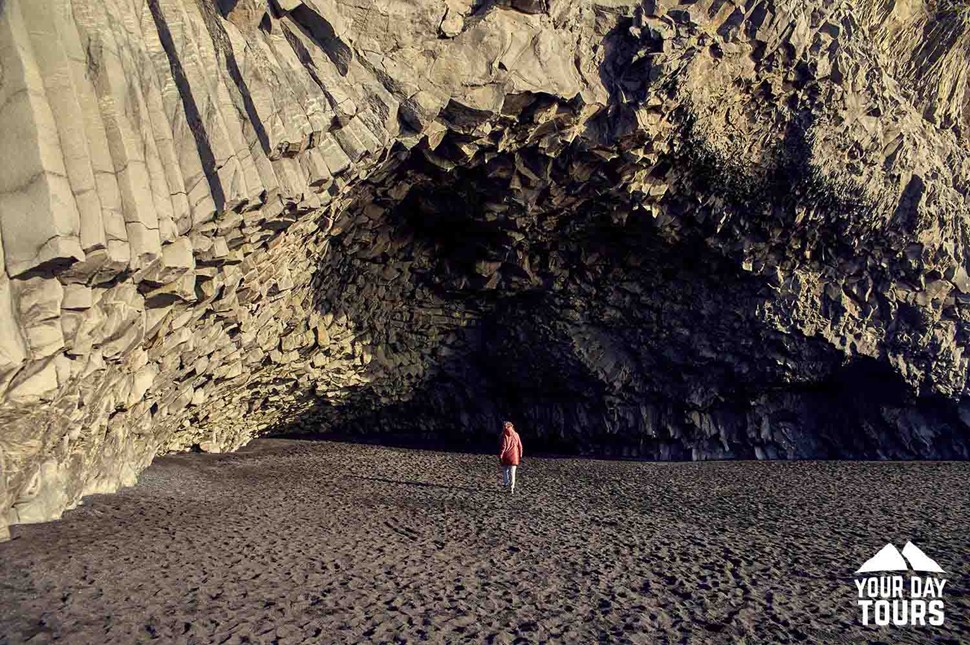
(688, 231)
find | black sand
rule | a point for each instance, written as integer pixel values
(292, 541)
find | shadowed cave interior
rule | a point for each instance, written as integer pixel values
(598, 326)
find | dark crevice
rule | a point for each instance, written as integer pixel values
(189, 106)
(221, 43)
(323, 33)
(304, 57)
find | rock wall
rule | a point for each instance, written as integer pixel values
(658, 229)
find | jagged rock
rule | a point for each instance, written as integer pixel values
(651, 229)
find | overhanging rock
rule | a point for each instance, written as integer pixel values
(650, 229)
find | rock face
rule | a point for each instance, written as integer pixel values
(669, 230)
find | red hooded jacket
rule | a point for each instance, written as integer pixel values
(510, 451)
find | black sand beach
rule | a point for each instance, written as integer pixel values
(293, 541)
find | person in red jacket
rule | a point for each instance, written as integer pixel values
(510, 454)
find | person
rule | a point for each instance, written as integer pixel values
(510, 454)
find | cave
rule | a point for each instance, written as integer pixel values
(592, 324)
(647, 230)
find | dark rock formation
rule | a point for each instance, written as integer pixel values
(657, 229)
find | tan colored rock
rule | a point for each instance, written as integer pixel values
(452, 23)
(38, 214)
(13, 347)
(141, 381)
(36, 382)
(41, 20)
(77, 296)
(666, 226)
(39, 301)
(125, 142)
(117, 254)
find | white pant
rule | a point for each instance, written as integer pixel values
(509, 473)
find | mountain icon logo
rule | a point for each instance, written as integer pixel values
(889, 558)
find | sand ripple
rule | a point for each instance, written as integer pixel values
(292, 541)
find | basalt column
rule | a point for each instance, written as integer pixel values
(646, 228)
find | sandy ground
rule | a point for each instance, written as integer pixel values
(292, 541)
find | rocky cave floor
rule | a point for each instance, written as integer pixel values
(289, 541)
